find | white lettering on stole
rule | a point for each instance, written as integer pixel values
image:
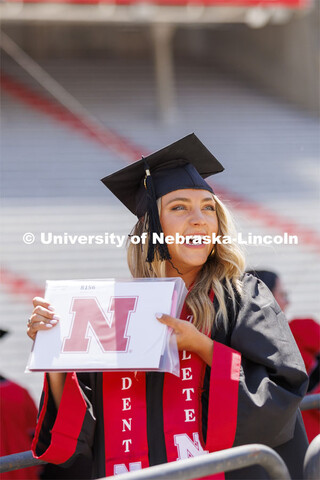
(126, 404)
(185, 356)
(190, 415)
(187, 391)
(126, 383)
(126, 423)
(186, 373)
(127, 443)
(188, 448)
(121, 468)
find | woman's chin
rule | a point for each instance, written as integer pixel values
(185, 264)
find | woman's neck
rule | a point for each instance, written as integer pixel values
(188, 277)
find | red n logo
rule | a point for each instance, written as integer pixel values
(110, 331)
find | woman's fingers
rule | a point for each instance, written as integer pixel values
(42, 302)
(43, 312)
(43, 317)
(36, 318)
(168, 320)
(186, 333)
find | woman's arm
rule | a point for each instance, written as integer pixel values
(57, 381)
(66, 421)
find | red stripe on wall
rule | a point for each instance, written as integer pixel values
(174, 3)
(279, 224)
(18, 285)
(103, 135)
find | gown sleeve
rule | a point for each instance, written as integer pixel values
(62, 435)
(273, 379)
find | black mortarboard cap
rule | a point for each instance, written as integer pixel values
(183, 164)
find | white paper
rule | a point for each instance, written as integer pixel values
(80, 342)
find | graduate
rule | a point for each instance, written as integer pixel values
(241, 374)
(18, 416)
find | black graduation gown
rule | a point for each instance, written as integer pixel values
(272, 383)
(273, 380)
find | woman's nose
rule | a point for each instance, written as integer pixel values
(197, 217)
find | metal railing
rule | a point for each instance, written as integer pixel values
(18, 460)
(197, 467)
(311, 464)
(311, 402)
(223, 461)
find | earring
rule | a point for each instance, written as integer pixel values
(212, 252)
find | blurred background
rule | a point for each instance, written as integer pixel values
(88, 86)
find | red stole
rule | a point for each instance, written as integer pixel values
(125, 413)
(125, 422)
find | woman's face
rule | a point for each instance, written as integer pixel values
(189, 212)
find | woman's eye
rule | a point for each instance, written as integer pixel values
(178, 207)
(209, 207)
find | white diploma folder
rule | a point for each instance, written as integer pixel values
(110, 324)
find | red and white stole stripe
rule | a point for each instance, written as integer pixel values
(182, 413)
(125, 422)
(182, 417)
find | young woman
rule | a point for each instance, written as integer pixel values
(242, 377)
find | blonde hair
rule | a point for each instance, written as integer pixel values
(222, 272)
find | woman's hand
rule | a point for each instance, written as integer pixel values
(189, 338)
(42, 317)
